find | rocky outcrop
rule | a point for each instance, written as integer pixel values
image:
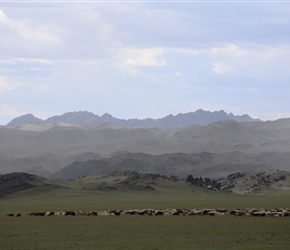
(206, 182)
(255, 181)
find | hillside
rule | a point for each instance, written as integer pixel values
(212, 165)
(16, 182)
(128, 181)
(124, 181)
(263, 181)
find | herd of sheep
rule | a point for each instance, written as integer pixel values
(277, 212)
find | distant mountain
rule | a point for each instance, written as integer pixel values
(25, 119)
(218, 137)
(74, 118)
(213, 165)
(230, 146)
(199, 117)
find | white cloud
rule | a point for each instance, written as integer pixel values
(229, 50)
(168, 48)
(133, 58)
(34, 34)
(99, 29)
(26, 60)
(3, 18)
(5, 85)
(145, 57)
(34, 60)
(7, 62)
(221, 68)
(37, 33)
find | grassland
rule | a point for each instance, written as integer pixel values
(138, 232)
(132, 232)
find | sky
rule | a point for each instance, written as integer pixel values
(140, 59)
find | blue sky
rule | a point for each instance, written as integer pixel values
(144, 58)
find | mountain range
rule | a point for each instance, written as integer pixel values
(199, 117)
(72, 146)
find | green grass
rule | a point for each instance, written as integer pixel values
(137, 232)
(47, 199)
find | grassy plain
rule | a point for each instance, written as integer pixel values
(137, 232)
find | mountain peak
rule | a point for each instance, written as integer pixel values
(106, 115)
(24, 119)
(75, 118)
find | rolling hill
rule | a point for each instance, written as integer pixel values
(248, 182)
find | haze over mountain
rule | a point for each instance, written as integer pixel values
(212, 165)
(75, 145)
(199, 117)
(218, 137)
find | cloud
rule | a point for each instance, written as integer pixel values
(158, 51)
(34, 60)
(26, 33)
(141, 57)
(221, 68)
(5, 85)
(26, 61)
(20, 67)
(231, 50)
(145, 57)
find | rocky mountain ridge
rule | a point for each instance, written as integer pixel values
(199, 117)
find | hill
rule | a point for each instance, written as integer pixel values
(16, 182)
(124, 181)
(199, 117)
(263, 181)
(213, 165)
